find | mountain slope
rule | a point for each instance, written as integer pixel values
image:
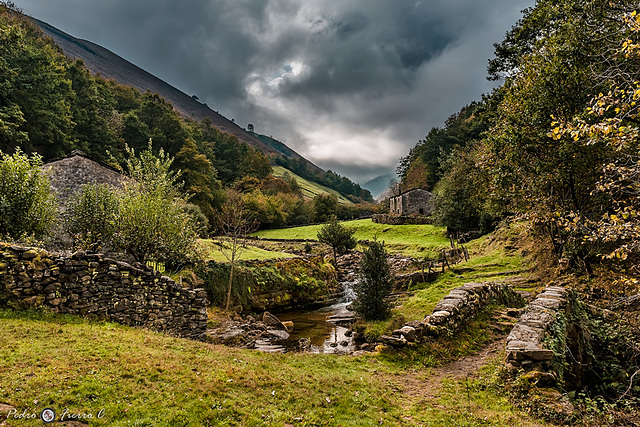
(379, 184)
(310, 189)
(102, 62)
(111, 66)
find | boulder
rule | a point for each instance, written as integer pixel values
(418, 327)
(271, 320)
(439, 318)
(408, 333)
(288, 326)
(393, 341)
(278, 334)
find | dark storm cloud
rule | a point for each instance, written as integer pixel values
(352, 85)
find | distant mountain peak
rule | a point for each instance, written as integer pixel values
(380, 184)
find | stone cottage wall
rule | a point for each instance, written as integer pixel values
(88, 284)
(413, 202)
(418, 202)
(68, 175)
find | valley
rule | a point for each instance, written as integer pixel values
(154, 379)
(161, 265)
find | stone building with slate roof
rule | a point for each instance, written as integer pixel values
(412, 202)
(69, 174)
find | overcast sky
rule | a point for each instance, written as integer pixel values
(351, 85)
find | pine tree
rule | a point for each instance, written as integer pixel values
(374, 283)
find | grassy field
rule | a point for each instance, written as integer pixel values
(211, 252)
(494, 266)
(410, 240)
(310, 189)
(488, 262)
(134, 377)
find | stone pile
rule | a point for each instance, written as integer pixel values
(268, 334)
(88, 284)
(454, 311)
(525, 348)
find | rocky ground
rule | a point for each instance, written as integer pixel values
(248, 332)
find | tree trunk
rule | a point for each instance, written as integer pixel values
(226, 307)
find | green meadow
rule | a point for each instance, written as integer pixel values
(212, 250)
(411, 240)
(134, 377)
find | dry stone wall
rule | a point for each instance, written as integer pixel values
(455, 311)
(401, 219)
(88, 284)
(525, 348)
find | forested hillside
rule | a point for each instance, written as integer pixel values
(557, 141)
(557, 148)
(329, 179)
(51, 105)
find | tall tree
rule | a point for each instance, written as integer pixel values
(423, 166)
(199, 179)
(35, 93)
(612, 120)
(374, 283)
(235, 224)
(552, 63)
(325, 206)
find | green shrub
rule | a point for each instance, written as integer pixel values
(216, 280)
(150, 227)
(90, 216)
(338, 236)
(153, 220)
(27, 206)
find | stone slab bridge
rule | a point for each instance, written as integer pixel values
(527, 347)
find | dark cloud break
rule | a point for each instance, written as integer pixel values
(352, 85)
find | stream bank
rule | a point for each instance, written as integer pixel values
(320, 330)
(319, 326)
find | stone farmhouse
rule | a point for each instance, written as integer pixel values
(412, 202)
(69, 174)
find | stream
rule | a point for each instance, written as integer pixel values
(324, 330)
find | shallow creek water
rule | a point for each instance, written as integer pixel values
(323, 328)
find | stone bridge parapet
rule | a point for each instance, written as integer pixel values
(455, 311)
(525, 348)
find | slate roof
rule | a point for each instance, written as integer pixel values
(69, 174)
